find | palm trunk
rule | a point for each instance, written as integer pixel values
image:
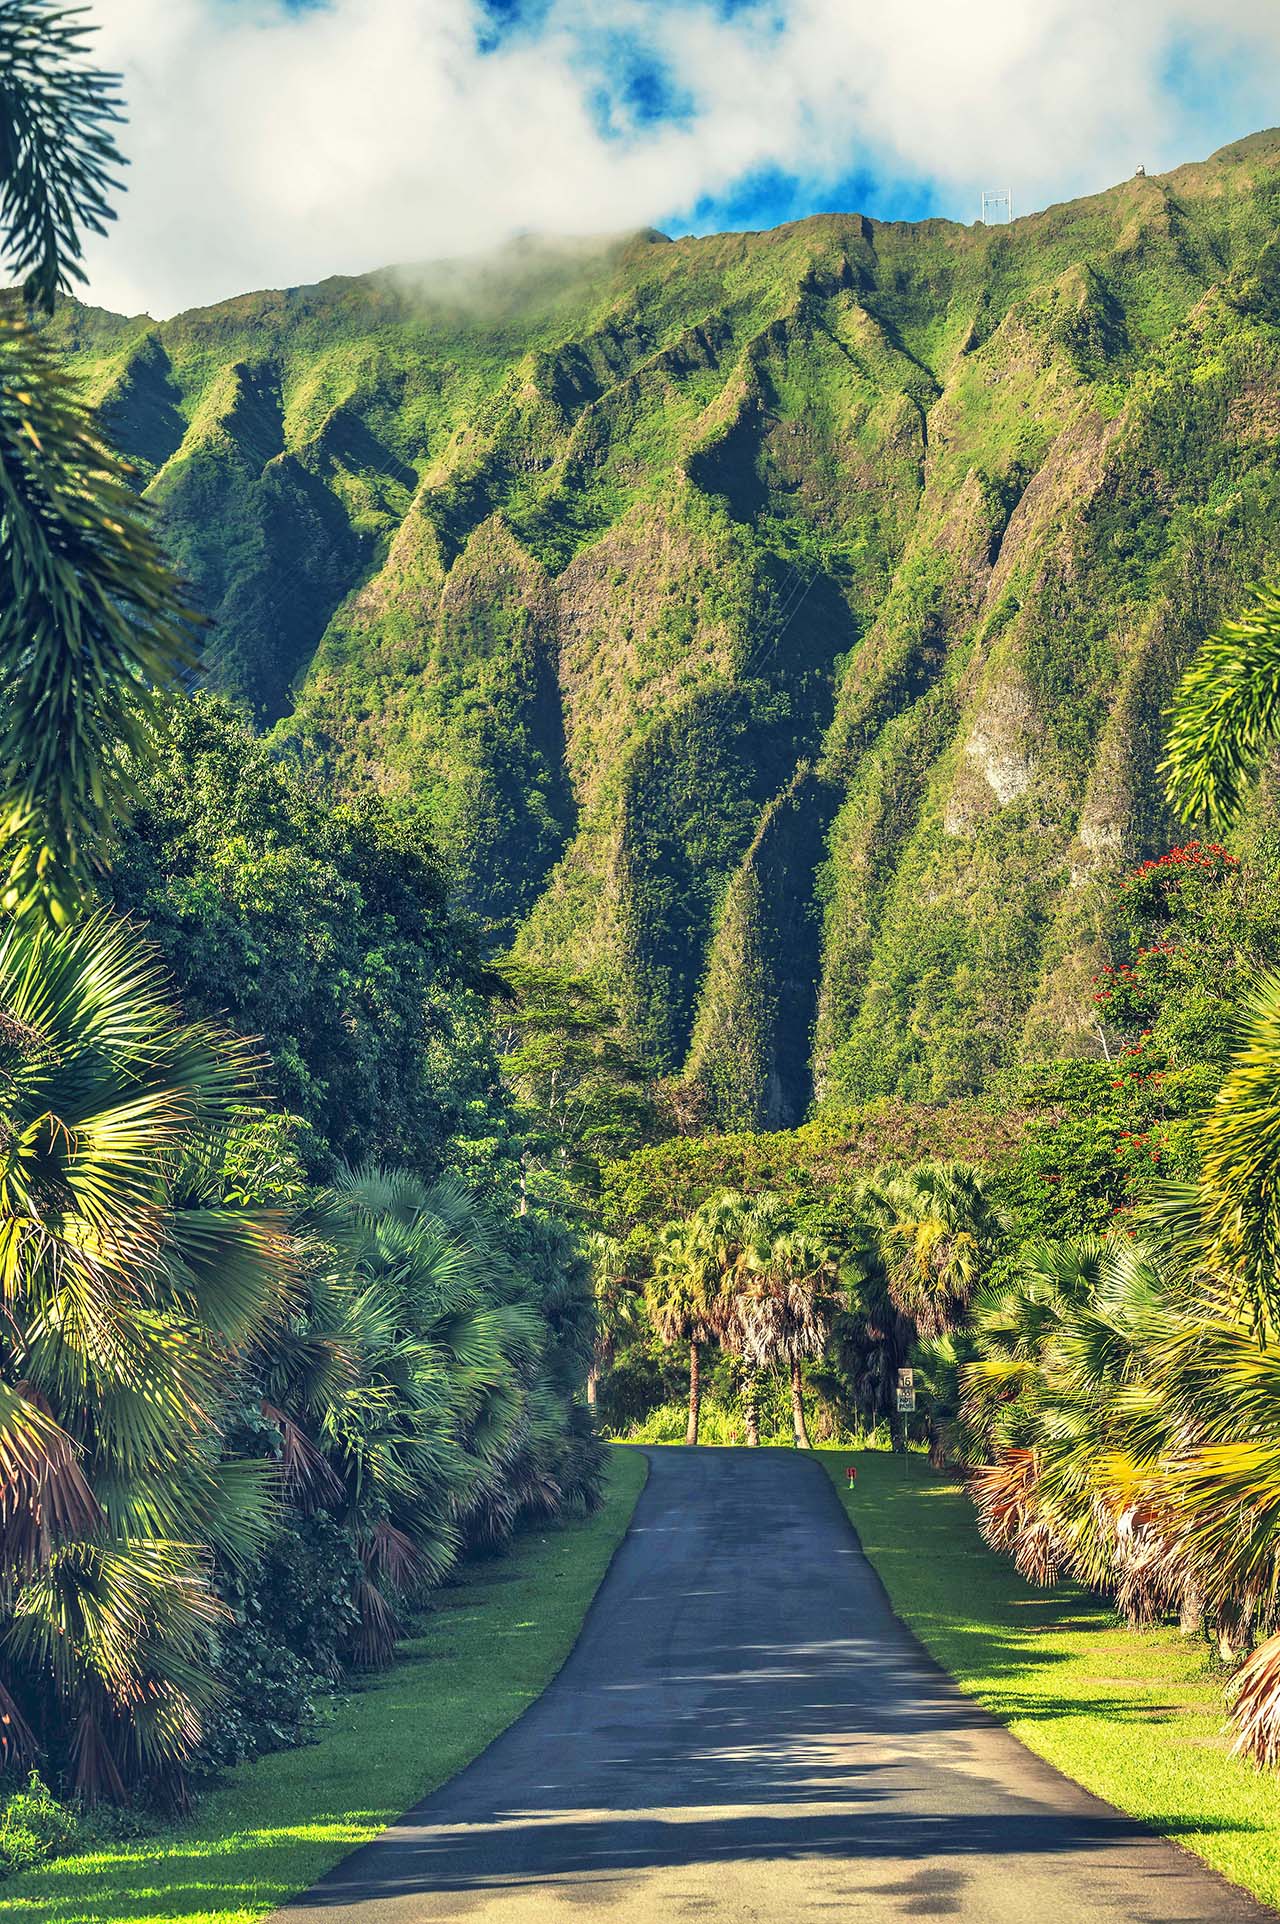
(695, 1393)
(797, 1409)
(751, 1407)
(1232, 1628)
(593, 1378)
(1191, 1613)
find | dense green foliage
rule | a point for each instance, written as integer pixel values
(33, 1826)
(246, 1420)
(493, 1640)
(582, 1097)
(323, 930)
(771, 628)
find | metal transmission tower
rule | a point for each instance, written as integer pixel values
(997, 207)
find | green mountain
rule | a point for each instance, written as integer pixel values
(778, 623)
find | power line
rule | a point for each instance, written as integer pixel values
(793, 600)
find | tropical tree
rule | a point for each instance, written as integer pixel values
(729, 1226)
(1226, 714)
(92, 622)
(1074, 1432)
(416, 1377)
(1123, 1409)
(617, 1304)
(565, 1055)
(871, 1340)
(682, 1299)
(133, 1283)
(936, 1230)
(919, 1240)
(1224, 719)
(781, 1309)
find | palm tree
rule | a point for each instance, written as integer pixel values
(1229, 1220)
(132, 1287)
(871, 1339)
(1224, 720)
(418, 1378)
(91, 619)
(1079, 1433)
(132, 1282)
(1226, 714)
(936, 1231)
(681, 1297)
(920, 1242)
(729, 1225)
(782, 1307)
(617, 1304)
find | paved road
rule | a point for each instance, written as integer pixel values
(745, 1735)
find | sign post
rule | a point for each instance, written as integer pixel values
(906, 1392)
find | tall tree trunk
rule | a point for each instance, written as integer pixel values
(593, 1378)
(751, 1405)
(1191, 1613)
(1233, 1627)
(695, 1393)
(797, 1409)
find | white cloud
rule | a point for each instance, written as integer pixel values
(272, 146)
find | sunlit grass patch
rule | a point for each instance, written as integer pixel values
(275, 1824)
(1136, 1716)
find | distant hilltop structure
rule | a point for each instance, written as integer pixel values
(1140, 173)
(997, 207)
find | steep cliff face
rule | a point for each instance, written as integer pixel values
(779, 623)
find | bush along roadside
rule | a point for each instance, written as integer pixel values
(1135, 1715)
(486, 1645)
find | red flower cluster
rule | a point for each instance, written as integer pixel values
(1127, 1141)
(1125, 977)
(1190, 855)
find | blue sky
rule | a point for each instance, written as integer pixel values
(277, 141)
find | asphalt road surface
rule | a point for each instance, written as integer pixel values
(745, 1732)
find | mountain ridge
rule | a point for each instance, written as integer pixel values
(777, 624)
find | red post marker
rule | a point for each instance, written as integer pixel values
(851, 1475)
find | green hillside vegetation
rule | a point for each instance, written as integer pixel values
(679, 802)
(774, 627)
(294, 1322)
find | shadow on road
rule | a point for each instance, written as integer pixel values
(742, 1705)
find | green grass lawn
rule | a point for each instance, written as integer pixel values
(1135, 1716)
(492, 1645)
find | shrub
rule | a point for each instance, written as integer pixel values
(33, 1826)
(302, 1592)
(581, 1469)
(270, 1702)
(294, 1619)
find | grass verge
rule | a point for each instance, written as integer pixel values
(491, 1646)
(1136, 1716)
